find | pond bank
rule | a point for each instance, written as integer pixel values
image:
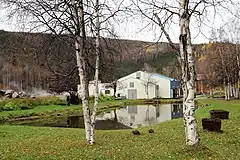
(56, 110)
(125, 117)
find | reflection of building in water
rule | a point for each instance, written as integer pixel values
(143, 115)
(157, 111)
(177, 111)
(164, 112)
(140, 115)
(132, 109)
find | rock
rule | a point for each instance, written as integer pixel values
(150, 131)
(7, 96)
(15, 95)
(136, 132)
(2, 93)
(23, 94)
(9, 92)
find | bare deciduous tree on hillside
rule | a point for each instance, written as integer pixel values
(220, 67)
(227, 39)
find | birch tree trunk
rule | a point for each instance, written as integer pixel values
(233, 88)
(226, 84)
(229, 89)
(236, 90)
(80, 46)
(225, 89)
(188, 76)
(94, 113)
(238, 77)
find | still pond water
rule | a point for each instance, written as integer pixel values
(122, 118)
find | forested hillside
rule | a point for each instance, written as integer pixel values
(43, 61)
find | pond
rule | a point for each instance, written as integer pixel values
(143, 115)
(121, 118)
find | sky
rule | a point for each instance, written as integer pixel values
(134, 28)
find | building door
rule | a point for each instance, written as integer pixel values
(132, 94)
(174, 93)
(157, 91)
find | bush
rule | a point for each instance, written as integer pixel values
(106, 98)
(102, 98)
(29, 103)
(9, 106)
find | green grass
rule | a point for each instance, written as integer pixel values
(168, 141)
(29, 103)
(37, 111)
(47, 110)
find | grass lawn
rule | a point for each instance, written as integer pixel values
(168, 141)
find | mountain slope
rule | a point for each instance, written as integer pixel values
(35, 60)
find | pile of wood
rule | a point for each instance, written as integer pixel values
(13, 94)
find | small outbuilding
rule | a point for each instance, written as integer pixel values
(104, 88)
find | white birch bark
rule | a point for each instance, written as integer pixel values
(226, 84)
(80, 38)
(236, 91)
(83, 75)
(238, 77)
(225, 89)
(231, 89)
(94, 113)
(188, 76)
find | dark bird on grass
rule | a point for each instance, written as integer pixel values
(151, 131)
(136, 132)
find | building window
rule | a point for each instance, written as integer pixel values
(132, 109)
(131, 84)
(107, 91)
(132, 118)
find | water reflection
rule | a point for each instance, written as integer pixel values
(143, 115)
(122, 118)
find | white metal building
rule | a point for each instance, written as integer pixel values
(142, 85)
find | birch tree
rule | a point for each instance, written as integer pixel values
(229, 35)
(186, 59)
(77, 18)
(93, 118)
(164, 13)
(188, 74)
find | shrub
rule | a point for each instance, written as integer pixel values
(106, 98)
(102, 98)
(9, 106)
(29, 103)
